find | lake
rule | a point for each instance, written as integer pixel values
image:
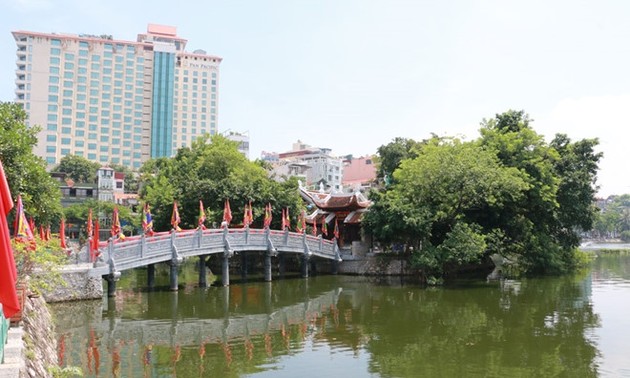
(351, 326)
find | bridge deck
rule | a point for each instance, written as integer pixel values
(174, 246)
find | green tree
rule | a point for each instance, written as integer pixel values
(78, 214)
(577, 169)
(78, 168)
(212, 170)
(508, 192)
(25, 172)
(439, 199)
(390, 156)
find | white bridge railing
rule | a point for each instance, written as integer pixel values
(117, 255)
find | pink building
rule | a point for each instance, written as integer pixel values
(359, 172)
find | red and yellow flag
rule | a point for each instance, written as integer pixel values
(175, 217)
(227, 213)
(268, 216)
(202, 216)
(23, 230)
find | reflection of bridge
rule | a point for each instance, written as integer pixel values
(222, 324)
(196, 331)
(172, 247)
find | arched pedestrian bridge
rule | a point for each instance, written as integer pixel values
(173, 247)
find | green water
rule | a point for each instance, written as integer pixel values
(348, 326)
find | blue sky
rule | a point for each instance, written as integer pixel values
(351, 75)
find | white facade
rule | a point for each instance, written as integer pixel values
(324, 168)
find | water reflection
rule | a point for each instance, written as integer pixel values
(337, 325)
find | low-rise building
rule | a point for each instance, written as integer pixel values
(323, 168)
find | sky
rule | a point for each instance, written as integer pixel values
(352, 75)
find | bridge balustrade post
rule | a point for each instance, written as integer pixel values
(114, 275)
(286, 236)
(199, 236)
(227, 253)
(337, 260)
(306, 257)
(271, 251)
(143, 245)
(176, 260)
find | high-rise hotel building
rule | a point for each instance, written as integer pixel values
(114, 101)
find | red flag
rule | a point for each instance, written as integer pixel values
(268, 216)
(248, 215)
(8, 273)
(202, 215)
(175, 217)
(227, 213)
(42, 233)
(62, 234)
(31, 224)
(287, 219)
(336, 231)
(90, 225)
(284, 220)
(48, 233)
(95, 237)
(115, 229)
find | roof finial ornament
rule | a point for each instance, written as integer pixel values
(321, 187)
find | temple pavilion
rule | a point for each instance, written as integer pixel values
(343, 209)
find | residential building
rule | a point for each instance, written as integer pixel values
(115, 101)
(324, 169)
(358, 173)
(242, 139)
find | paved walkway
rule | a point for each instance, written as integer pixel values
(13, 359)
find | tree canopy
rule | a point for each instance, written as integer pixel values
(25, 172)
(212, 170)
(508, 192)
(78, 168)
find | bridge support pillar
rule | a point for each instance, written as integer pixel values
(225, 271)
(203, 282)
(313, 267)
(282, 265)
(243, 265)
(174, 277)
(111, 285)
(305, 262)
(334, 267)
(151, 276)
(267, 267)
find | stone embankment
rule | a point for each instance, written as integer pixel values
(375, 265)
(32, 347)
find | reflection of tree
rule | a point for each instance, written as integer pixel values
(537, 330)
(513, 328)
